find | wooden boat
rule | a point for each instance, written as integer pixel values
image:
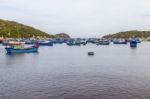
(5, 42)
(30, 42)
(120, 41)
(18, 47)
(70, 42)
(45, 43)
(90, 53)
(138, 40)
(77, 42)
(59, 41)
(83, 42)
(133, 43)
(92, 40)
(103, 42)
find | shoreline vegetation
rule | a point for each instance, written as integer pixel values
(145, 35)
(12, 29)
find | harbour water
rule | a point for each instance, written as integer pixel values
(67, 72)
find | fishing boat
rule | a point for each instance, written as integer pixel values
(59, 41)
(5, 42)
(83, 42)
(133, 43)
(70, 42)
(120, 41)
(138, 40)
(91, 53)
(29, 41)
(92, 40)
(103, 42)
(77, 42)
(45, 43)
(19, 47)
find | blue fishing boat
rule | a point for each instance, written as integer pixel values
(30, 42)
(18, 47)
(5, 43)
(103, 42)
(77, 42)
(120, 41)
(138, 40)
(92, 40)
(59, 41)
(70, 43)
(133, 43)
(83, 41)
(45, 43)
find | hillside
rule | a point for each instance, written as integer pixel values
(129, 34)
(15, 30)
(62, 35)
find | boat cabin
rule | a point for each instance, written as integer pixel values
(17, 45)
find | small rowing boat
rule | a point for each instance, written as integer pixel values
(90, 53)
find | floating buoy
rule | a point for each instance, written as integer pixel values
(90, 53)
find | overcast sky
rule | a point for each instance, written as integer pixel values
(79, 18)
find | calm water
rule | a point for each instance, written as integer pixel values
(63, 72)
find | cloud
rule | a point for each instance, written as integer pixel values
(79, 17)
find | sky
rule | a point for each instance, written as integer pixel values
(79, 18)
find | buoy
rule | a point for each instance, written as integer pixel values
(90, 53)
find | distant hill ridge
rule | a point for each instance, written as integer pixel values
(17, 30)
(62, 35)
(129, 34)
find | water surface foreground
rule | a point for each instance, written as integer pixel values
(63, 72)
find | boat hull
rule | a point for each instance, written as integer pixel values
(103, 43)
(45, 44)
(133, 44)
(120, 42)
(27, 50)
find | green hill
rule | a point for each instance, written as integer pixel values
(62, 35)
(17, 30)
(129, 34)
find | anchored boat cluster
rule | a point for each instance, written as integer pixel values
(19, 45)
